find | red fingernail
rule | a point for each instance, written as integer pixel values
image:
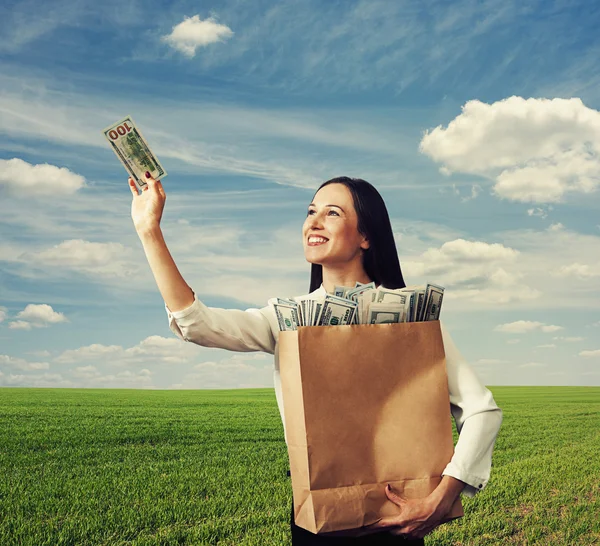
(147, 174)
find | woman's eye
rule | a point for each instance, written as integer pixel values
(329, 211)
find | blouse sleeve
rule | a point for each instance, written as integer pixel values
(231, 329)
(477, 419)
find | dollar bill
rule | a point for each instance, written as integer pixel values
(336, 311)
(362, 304)
(341, 291)
(383, 313)
(287, 316)
(133, 151)
(433, 302)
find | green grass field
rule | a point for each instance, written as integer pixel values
(209, 467)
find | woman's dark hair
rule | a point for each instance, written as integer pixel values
(380, 260)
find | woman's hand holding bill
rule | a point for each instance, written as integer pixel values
(147, 206)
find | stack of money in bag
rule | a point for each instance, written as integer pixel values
(361, 304)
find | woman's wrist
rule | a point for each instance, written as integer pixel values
(148, 232)
(446, 493)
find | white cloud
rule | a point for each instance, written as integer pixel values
(542, 212)
(194, 32)
(37, 316)
(590, 353)
(581, 271)
(82, 377)
(472, 251)
(473, 270)
(513, 341)
(525, 326)
(22, 364)
(86, 370)
(572, 339)
(23, 179)
(93, 351)
(53, 380)
(42, 353)
(94, 259)
(137, 366)
(238, 371)
(19, 325)
(546, 346)
(490, 361)
(532, 365)
(475, 191)
(156, 349)
(536, 150)
(91, 377)
(544, 254)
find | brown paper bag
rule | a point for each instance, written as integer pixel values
(364, 405)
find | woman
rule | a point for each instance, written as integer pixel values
(347, 237)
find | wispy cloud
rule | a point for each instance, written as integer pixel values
(278, 145)
(525, 326)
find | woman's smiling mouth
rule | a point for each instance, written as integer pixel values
(314, 240)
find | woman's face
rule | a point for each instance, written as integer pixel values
(331, 215)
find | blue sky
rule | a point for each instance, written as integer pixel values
(478, 122)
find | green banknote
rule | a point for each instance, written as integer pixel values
(133, 151)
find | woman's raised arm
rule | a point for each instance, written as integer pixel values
(175, 291)
(146, 212)
(189, 318)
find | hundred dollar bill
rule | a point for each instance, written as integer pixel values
(131, 148)
(411, 300)
(354, 293)
(385, 296)
(357, 294)
(287, 316)
(383, 313)
(302, 312)
(336, 312)
(433, 302)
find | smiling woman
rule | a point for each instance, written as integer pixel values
(351, 215)
(347, 237)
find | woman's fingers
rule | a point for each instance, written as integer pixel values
(133, 187)
(160, 189)
(155, 184)
(151, 182)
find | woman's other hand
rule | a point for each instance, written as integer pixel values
(417, 518)
(147, 206)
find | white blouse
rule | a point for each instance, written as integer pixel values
(475, 412)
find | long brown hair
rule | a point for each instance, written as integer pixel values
(380, 260)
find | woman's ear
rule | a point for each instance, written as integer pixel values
(365, 244)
